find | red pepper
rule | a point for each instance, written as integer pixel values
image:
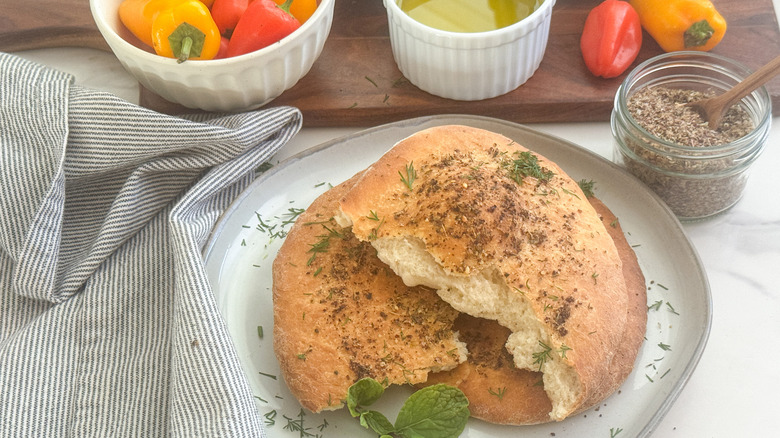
(223, 45)
(611, 38)
(226, 14)
(262, 24)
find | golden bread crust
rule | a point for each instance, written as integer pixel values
(636, 307)
(340, 314)
(500, 393)
(536, 235)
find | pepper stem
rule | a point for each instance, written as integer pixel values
(285, 6)
(186, 41)
(184, 53)
(698, 34)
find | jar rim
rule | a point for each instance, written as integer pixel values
(760, 95)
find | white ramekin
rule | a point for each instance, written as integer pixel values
(468, 66)
(232, 84)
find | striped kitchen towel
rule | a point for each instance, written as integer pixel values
(107, 322)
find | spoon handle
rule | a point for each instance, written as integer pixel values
(755, 80)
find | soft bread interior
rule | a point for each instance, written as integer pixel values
(485, 294)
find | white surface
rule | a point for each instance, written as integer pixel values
(733, 392)
(239, 259)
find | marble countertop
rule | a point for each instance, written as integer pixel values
(732, 393)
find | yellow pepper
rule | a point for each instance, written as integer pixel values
(186, 31)
(681, 24)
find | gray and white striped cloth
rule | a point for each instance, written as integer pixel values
(107, 322)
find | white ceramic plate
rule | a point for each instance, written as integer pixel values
(243, 245)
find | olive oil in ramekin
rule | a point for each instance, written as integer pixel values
(468, 15)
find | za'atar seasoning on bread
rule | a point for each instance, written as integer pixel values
(498, 391)
(502, 233)
(341, 315)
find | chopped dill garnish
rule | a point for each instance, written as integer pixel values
(614, 432)
(372, 81)
(270, 418)
(411, 175)
(325, 423)
(260, 332)
(543, 356)
(374, 217)
(498, 393)
(323, 243)
(587, 187)
(526, 164)
(671, 309)
(656, 305)
(569, 192)
(297, 425)
(664, 347)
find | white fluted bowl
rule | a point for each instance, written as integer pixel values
(232, 84)
(468, 66)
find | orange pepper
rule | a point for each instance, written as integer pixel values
(681, 24)
(137, 16)
(301, 9)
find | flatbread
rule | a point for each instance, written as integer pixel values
(340, 314)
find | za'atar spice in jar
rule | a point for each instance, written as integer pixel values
(696, 170)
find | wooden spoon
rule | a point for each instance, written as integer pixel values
(714, 108)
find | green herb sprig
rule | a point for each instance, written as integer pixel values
(411, 175)
(587, 187)
(540, 357)
(438, 411)
(526, 164)
(372, 216)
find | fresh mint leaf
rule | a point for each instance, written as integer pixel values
(364, 392)
(438, 411)
(377, 422)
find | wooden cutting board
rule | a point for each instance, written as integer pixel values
(355, 82)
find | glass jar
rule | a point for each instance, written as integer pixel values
(695, 181)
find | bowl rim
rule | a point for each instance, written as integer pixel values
(520, 27)
(109, 33)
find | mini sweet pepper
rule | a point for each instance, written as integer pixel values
(186, 31)
(611, 38)
(137, 16)
(301, 9)
(262, 24)
(226, 14)
(681, 24)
